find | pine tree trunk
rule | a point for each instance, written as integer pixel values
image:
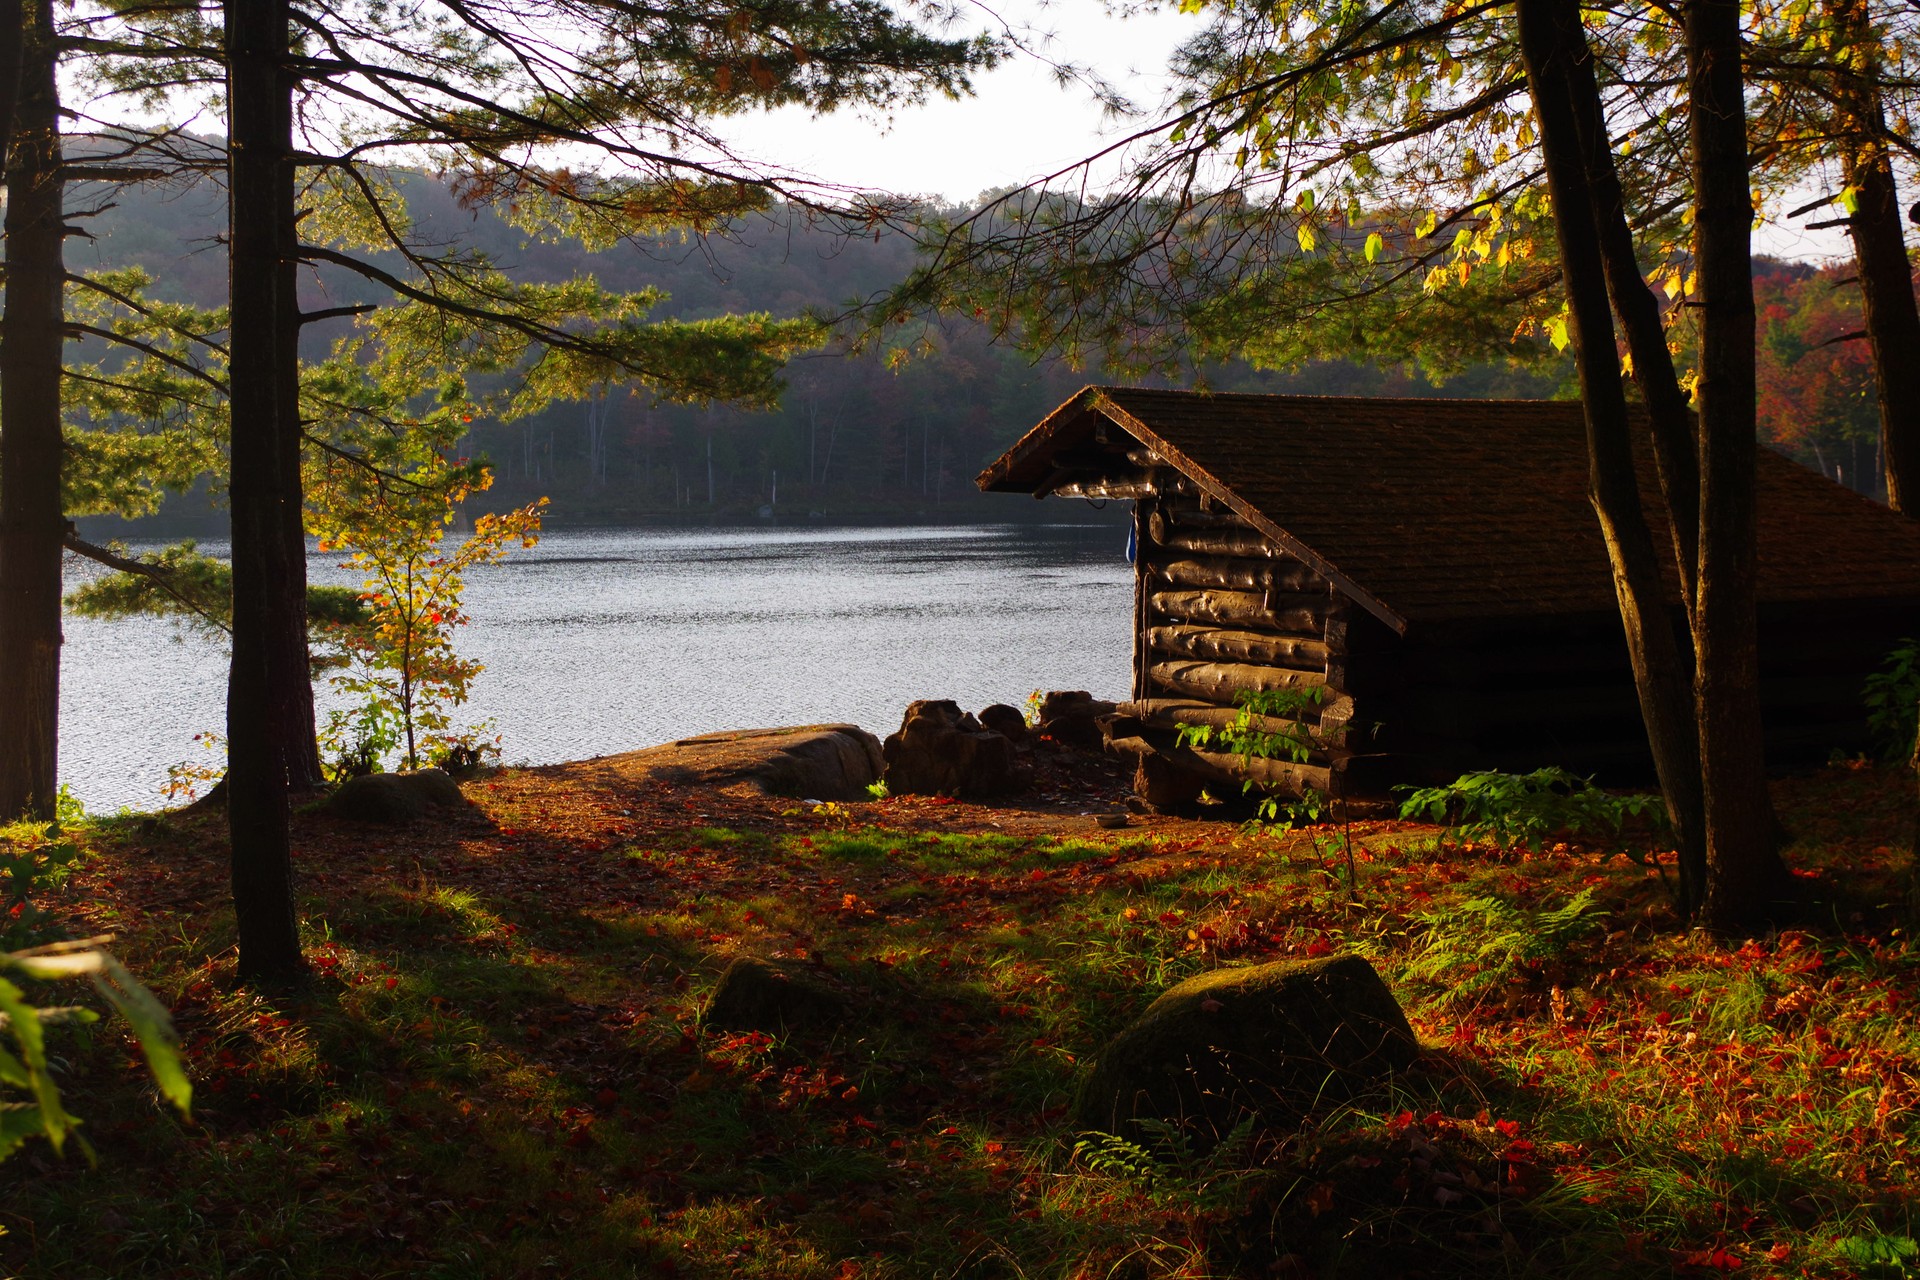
(31, 518)
(1554, 49)
(1745, 877)
(269, 618)
(1880, 247)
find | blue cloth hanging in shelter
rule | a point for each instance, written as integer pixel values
(1133, 539)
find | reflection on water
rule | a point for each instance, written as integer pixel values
(599, 641)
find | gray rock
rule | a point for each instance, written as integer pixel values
(771, 996)
(1005, 721)
(1278, 1040)
(395, 797)
(941, 750)
(1071, 717)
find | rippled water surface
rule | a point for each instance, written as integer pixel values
(599, 641)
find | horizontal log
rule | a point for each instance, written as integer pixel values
(1188, 641)
(1164, 524)
(1223, 681)
(1171, 713)
(1299, 613)
(1238, 575)
(1189, 515)
(1224, 542)
(1125, 490)
(1230, 771)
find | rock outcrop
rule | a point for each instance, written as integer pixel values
(942, 750)
(1277, 1040)
(1005, 721)
(1071, 717)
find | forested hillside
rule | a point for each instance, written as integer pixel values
(857, 436)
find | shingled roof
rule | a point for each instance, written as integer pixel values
(1436, 510)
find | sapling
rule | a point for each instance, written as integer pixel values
(402, 665)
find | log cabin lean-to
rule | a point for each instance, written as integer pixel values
(1431, 572)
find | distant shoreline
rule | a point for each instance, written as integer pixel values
(168, 527)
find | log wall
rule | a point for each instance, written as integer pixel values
(1220, 610)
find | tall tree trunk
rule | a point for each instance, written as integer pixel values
(1553, 48)
(1669, 415)
(1880, 246)
(269, 618)
(1744, 874)
(31, 519)
(13, 30)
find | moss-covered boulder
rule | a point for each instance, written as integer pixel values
(395, 797)
(767, 995)
(1278, 1040)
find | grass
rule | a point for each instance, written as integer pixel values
(502, 1069)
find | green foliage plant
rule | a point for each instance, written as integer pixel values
(1514, 809)
(1479, 946)
(403, 666)
(1243, 735)
(1167, 1167)
(30, 1105)
(1295, 741)
(34, 858)
(1893, 703)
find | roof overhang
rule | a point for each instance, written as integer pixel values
(1031, 466)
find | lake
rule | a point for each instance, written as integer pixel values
(606, 640)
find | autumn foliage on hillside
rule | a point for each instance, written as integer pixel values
(1816, 374)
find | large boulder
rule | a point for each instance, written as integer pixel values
(941, 750)
(1272, 1039)
(393, 798)
(1071, 717)
(1005, 721)
(771, 996)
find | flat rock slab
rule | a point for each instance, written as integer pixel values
(815, 761)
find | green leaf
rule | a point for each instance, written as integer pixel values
(1375, 243)
(152, 1026)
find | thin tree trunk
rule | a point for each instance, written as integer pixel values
(31, 519)
(1551, 46)
(1745, 876)
(269, 623)
(1886, 273)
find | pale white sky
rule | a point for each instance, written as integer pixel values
(1022, 125)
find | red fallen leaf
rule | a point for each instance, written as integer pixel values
(1507, 1128)
(1210, 1005)
(1319, 947)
